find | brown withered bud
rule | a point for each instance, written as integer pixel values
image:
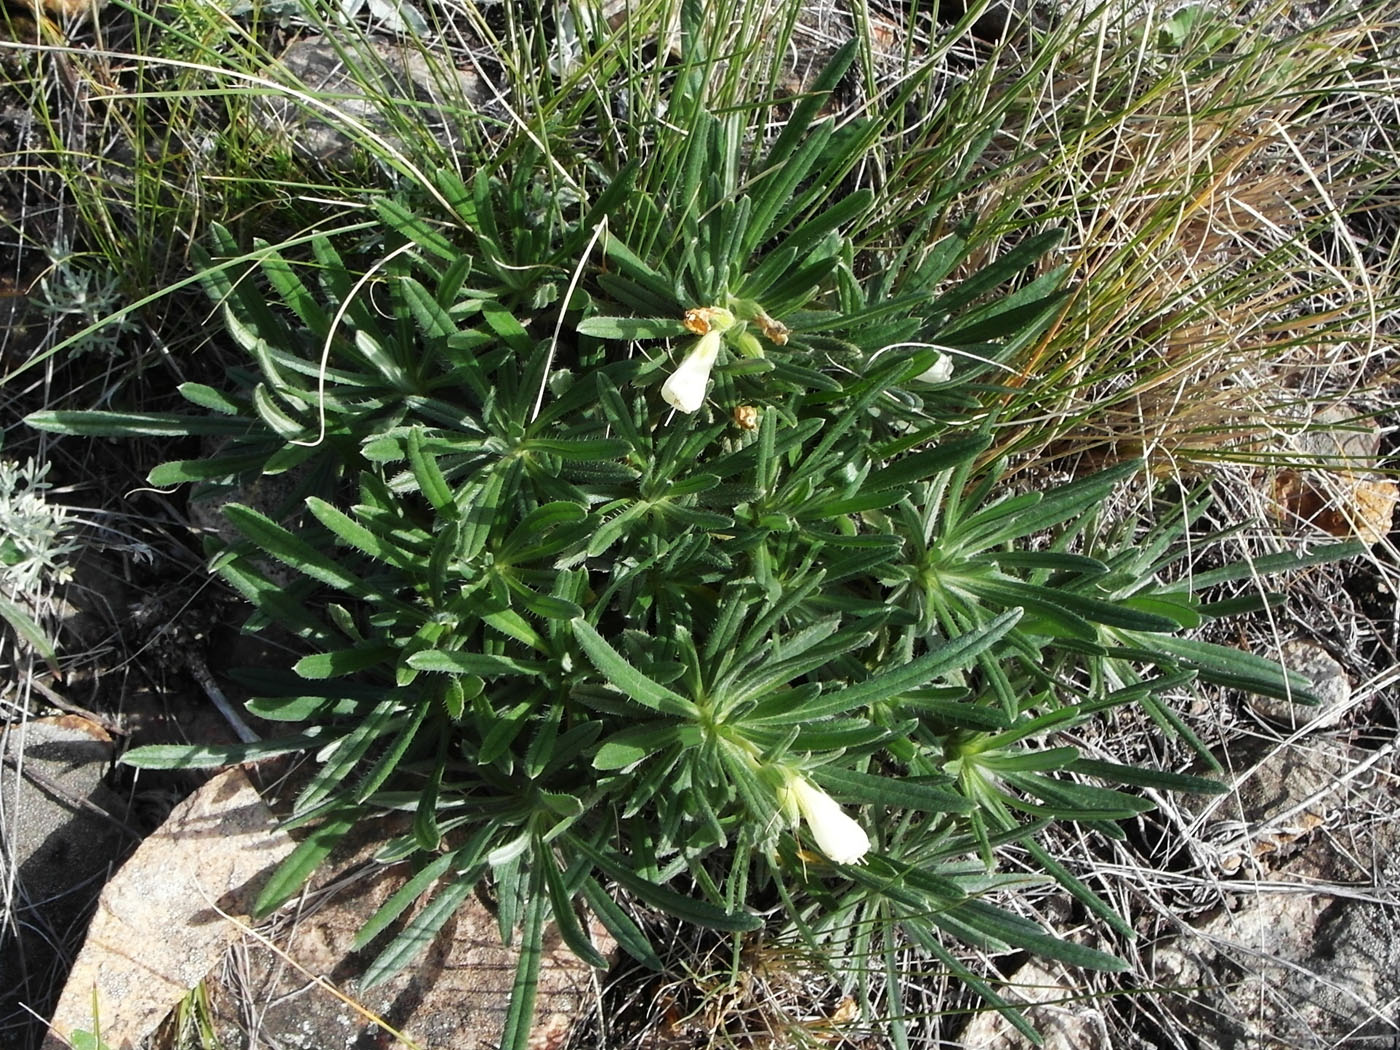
(746, 417)
(702, 319)
(776, 331)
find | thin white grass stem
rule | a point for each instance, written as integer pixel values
(330, 338)
(563, 310)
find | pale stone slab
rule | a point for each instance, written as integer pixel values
(164, 920)
(452, 996)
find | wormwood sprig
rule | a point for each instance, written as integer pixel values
(789, 655)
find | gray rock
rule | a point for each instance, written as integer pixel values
(1310, 959)
(62, 852)
(360, 89)
(1279, 794)
(1329, 681)
(1298, 969)
(1065, 1018)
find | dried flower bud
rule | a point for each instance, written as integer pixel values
(746, 416)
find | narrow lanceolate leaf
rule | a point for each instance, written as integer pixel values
(580, 449)
(520, 1010)
(626, 677)
(406, 894)
(632, 327)
(429, 477)
(418, 934)
(854, 786)
(385, 765)
(1066, 604)
(562, 905)
(208, 397)
(342, 757)
(355, 534)
(951, 656)
(190, 756)
(305, 859)
(701, 913)
(483, 664)
(134, 424)
(432, 318)
(292, 550)
(344, 661)
(1160, 779)
(1020, 933)
(181, 471)
(617, 922)
(1235, 667)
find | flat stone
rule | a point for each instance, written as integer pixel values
(1311, 959)
(1278, 796)
(168, 915)
(305, 978)
(1064, 1017)
(1301, 969)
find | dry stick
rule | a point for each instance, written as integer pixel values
(63, 704)
(200, 670)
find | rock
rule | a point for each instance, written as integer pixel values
(305, 979)
(389, 85)
(1277, 797)
(1065, 1019)
(168, 915)
(1300, 969)
(60, 850)
(1312, 965)
(1329, 681)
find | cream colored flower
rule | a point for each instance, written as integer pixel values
(685, 389)
(939, 372)
(837, 834)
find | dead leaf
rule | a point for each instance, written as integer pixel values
(1342, 504)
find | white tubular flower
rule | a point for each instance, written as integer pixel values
(685, 390)
(837, 833)
(939, 372)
